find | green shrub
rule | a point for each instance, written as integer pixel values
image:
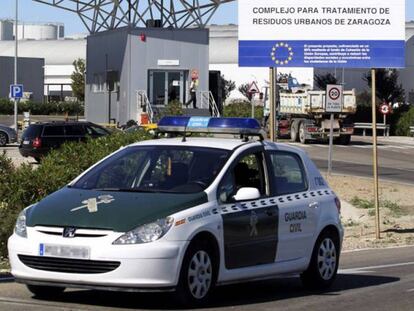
(72, 108)
(25, 185)
(242, 109)
(403, 125)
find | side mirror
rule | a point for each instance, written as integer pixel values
(247, 194)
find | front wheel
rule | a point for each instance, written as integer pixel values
(324, 263)
(197, 277)
(45, 291)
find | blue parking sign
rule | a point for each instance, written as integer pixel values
(16, 90)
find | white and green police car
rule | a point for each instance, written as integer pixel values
(183, 214)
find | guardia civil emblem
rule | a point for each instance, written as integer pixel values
(92, 203)
(282, 54)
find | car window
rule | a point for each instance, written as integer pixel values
(246, 173)
(288, 173)
(54, 130)
(32, 131)
(156, 169)
(95, 130)
(75, 130)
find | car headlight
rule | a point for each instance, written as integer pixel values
(20, 228)
(146, 233)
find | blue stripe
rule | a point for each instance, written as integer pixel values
(379, 54)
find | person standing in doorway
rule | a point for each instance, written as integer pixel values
(193, 93)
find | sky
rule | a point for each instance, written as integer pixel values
(36, 12)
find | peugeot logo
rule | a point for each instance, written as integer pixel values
(69, 232)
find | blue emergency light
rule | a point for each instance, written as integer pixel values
(237, 126)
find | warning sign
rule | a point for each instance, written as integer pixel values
(334, 98)
(253, 89)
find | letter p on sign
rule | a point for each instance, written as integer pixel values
(16, 91)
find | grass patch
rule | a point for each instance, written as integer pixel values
(393, 207)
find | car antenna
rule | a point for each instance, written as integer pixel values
(185, 134)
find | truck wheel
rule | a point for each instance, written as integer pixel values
(324, 262)
(293, 133)
(45, 291)
(302, 134)
(197, 276)
(345, 139)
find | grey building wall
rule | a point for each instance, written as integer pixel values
(30, 73)
(122, 50)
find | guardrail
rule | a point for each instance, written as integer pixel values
(368, 126)
(412, 130)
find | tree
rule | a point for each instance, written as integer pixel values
(322, 80)
(227, 86)
(388, 89)
(244, 89)
(78, 79)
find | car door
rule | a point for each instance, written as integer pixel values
(298, 207)
(74, 132)
(249, 227)
(53, 136)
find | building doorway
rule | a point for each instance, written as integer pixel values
(166, 86)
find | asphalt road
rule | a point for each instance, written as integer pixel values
(367, 280)
(395, 159)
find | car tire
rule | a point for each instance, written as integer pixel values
(198, 275)
(302, 134)
(324, 263)
(45, 291)
(293, 133)
(3, 139)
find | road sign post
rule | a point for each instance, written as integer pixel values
(375, 153)
(253, 90)
(334, 103)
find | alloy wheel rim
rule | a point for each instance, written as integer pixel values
(200, 274)
(327, 259)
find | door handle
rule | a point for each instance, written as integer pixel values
(314, 205)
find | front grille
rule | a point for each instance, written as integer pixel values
(68, 265)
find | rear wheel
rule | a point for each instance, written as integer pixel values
(3, 139)
(45, 291)
(293, 133)
(198, 275)
(324, 263)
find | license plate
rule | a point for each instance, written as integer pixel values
(64, 251)
(26, 142)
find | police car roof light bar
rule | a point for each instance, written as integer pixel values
(240, 126)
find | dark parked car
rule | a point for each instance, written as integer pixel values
(7, 135)
(38, 139)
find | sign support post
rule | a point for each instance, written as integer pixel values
(330, 145)
(334, 104)
(271, 104)
(375, 153)
(16, 42)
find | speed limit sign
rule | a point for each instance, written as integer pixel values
(385, 109)
(334, 98)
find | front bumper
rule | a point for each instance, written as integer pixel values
(143, 267)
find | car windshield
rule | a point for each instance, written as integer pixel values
(156, 169)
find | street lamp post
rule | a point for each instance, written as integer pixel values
(15, 62)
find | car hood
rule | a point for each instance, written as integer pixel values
(108, 210)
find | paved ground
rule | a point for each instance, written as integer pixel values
(367, 280)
